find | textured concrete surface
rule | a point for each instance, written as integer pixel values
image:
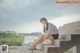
(66, 45)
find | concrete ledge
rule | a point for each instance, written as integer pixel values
(65, 37)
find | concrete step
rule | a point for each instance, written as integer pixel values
(46, 46)
(26, 49)
(13, 49)
(56, 43)
(38, 51)
(64, 37)
(20, 49)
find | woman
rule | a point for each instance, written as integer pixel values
(50, 32)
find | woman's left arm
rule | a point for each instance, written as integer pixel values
(46, 36)
(47, 33)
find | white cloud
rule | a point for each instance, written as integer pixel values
(14, 4)
(60, 21)
(7, 3)
(28, 28)
(68, 15)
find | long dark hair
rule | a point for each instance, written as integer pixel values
(44, 28)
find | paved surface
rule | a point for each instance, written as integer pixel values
(23, 49)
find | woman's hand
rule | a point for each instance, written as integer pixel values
(46, 36)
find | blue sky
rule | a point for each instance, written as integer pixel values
(24, 15)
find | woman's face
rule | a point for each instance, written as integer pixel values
(43, 22)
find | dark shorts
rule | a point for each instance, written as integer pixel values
(55, 36)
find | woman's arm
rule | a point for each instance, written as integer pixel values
(46, 36)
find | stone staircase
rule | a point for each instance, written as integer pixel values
(54, 48)
(66, 45)
(69, 37)
(61, 46)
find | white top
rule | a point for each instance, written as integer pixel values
(52, 29)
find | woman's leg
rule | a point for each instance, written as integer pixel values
(40, 39)
(50, 37)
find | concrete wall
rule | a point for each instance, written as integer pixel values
(67, 29)
(71, 28)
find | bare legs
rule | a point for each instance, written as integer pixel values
(41, 39)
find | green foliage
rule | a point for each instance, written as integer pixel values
(11, 39)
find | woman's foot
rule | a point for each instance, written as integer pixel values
(32, 48)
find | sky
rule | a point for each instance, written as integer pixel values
(23, 16)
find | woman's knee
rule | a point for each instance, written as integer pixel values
(42, 36)
(50, 37)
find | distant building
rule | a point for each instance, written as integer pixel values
(28, 34)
